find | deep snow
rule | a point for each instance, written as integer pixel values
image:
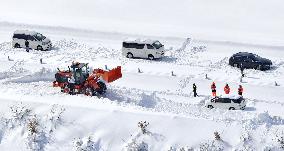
(176, 119)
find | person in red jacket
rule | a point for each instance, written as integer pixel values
(227, 89)
(240, 90)
(213, 88)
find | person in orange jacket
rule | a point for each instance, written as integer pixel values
(227, 89)
(213, 88)
(240, 90)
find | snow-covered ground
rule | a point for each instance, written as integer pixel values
(176, 119)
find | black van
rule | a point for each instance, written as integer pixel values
(250, 61)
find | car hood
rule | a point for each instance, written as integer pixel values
(46, 40)
(265, 61)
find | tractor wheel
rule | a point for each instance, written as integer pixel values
(66, 90)
(102, 88)
(89, 92)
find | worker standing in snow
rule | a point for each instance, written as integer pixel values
(213, 88)
(242, 70)
(227, 89)
(194, 90)
(240, 90)
(27, 45)
(71, 84)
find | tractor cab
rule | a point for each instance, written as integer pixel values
(80, 72)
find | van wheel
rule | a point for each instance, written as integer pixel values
(151, 57)
(17, 45)
(39, 48)
(210, 107)
(231, 108)
(129, 55)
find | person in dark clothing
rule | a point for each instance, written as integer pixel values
(27, 45)
(242, 70)
(194, 90)
(71, 85)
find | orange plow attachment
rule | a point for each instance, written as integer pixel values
(112, 75)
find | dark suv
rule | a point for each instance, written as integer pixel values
(249, 61)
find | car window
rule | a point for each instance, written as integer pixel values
(150, 46)
(237, 101)
(219, 100)
(226, 100)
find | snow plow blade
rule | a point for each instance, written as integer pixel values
(112, 75)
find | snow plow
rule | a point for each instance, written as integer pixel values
(78, 79)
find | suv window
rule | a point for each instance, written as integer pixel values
(140, 46)
(247, 59)
(238, 58)
(150, 46)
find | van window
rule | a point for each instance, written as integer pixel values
(31, 38)
(140, 46)
(125, 45)
(19, 36)
(149, 46)
(129, 45)
(39, 37)
(157, 45)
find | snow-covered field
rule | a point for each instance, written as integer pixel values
(176, 119)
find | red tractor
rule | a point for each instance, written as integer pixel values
(78, 80)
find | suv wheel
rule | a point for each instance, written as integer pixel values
(129, 55)
(231, 108)
(151, 57)
(210, 106)
(39, 48)
(17, 45)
